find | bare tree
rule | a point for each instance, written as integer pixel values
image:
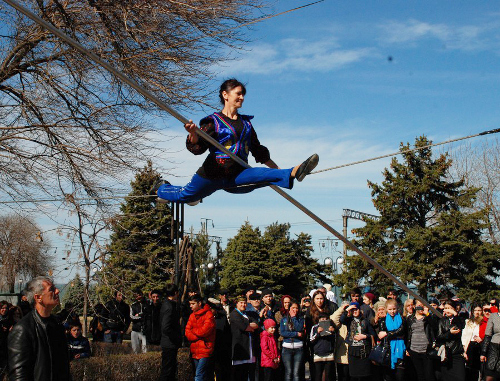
(479, 166)
(61, 117)
(23, 250)
(88, 233)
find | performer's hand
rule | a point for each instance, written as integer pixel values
(191, 128)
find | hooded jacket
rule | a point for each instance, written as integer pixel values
(269, 350)
(200, 331)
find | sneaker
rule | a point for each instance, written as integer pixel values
(307, 167)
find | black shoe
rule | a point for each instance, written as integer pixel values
(306, 167)
(157, 184)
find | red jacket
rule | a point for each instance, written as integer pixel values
(269, 350)
(482, 327)
(200, 331)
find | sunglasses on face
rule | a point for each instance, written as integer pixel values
(487, 310)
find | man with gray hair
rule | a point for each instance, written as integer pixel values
(37, 346)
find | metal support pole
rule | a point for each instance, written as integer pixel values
(176, 265)
(344, 223)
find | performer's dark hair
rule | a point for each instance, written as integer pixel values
(228, 85)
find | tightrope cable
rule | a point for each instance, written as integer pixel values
(403, 151)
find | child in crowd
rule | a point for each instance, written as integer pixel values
(323, 344)
(78, 346)
(270, 357)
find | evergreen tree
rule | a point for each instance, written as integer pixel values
(271, 259)
(427, 233)
(244, 261)
(73, 293)
(141, 250)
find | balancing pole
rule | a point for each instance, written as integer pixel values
(212, 141)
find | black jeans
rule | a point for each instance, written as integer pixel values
(343, 372)
(328, 367)
(424, 366)
(168, 364)
(453, 369)
(269, 374)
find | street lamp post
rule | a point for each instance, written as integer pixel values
(335, 266)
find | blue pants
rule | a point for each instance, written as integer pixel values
(113, 337)
(292, 360)
(202, 367)
(248, 180)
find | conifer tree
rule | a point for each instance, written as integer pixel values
(271, 259)
(141, 251)
(427, 233)
(244, 261)
(73, 293)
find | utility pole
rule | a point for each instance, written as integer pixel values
(348, 213)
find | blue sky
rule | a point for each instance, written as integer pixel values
(349, 81)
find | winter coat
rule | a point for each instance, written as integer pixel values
(453, 342)
(269, 350)
(137, 312)
(171, 335)
(117, 316)
(200, 331)
(291, 334)
(322, 345)
(79, 346)
(33, 343)
(340, 342)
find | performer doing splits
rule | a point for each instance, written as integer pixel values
(219, 171)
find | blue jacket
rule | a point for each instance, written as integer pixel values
(322, 345)
(79, 346)
(292, 335)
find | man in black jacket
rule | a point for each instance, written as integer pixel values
(152, 319)
(38, 350)
(117, 319)
(170, 334)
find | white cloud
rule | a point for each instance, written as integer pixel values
(467, 37)
(297, 54)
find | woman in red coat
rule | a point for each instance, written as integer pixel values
(200, 331)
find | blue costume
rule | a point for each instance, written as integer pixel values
(219, 171)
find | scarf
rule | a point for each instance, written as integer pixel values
(355, 328)
(397, 345)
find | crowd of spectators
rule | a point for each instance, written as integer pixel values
(368, 337)
(259, 337)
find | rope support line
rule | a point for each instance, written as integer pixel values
(497, 130)
(489, 132)
(215, 143)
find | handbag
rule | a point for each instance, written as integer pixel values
(437, 353)
(381, 354)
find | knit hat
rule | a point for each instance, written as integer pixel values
(269, 323)
(354, 304)
(267, 291)
(254, 296)
(370, 296)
